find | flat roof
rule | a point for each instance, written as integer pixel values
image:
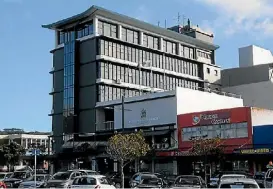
(130, 21)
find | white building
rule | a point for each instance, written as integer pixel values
(253, 78)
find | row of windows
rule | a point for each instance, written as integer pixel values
(67, 36)
(204, 55)
(107, 93)
(150, 41)
(107, 29)
(235, 130)
(142, 77)
(130, 36)
(132, 54)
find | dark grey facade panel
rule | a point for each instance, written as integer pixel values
(87, 121)
(87, 97)
(58, 102)
(58, 80)
(58, 59)
(87, 51)
(88, 74)
(57, 128)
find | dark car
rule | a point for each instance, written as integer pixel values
(189, 181)
(115, 179)
(151, 183)
(138, 177)
(16, 178)
(259, 177)
(41, 180)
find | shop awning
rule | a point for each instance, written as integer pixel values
(91, 144)
(156, 133)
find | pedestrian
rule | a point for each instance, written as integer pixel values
(270, 165)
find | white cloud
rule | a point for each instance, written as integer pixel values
(242, 15)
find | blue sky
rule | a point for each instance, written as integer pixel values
(25, 59)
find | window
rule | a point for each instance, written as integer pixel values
(107, 29)
(216, 72)
(85, 181)
(150, 41)
(130, 36)
(208, 70)
(225, 131)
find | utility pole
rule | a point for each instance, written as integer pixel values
(122, 112)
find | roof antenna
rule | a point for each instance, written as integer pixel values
(165, 23)
(158, 23)
(178, 19)
(184, 18)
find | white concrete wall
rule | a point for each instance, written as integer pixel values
(214, 75)
(261, 116)
(253, 55)
(255, 94)
(189, 101)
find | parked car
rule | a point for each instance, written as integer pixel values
(41, 180)
(155, 183)
(115, 179)
(259, 177)
(16, 178)
(5, 175)
(62, 179)
(189, 181)
(86, 171)
(91, 181)
(136, 178)
(238, 183)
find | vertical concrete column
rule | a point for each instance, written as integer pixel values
(56, 38)
(115, 165)
(178, 49)
(119, 32)
(141, 38)
(161, 44)
(136, 165)
(175, 171)
(254, 167)
(174, 139)
(153, 165)
(94, 164)
(95, 26)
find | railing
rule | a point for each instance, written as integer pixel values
(105, 126)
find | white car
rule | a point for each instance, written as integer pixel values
(238, 183)
(92, 181)
(230, 176)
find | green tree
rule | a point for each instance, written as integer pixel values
(126, 148)
(12, 153)
(206, 147)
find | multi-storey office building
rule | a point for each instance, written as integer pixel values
(100, 56)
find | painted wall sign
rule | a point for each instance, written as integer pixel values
(211, 119)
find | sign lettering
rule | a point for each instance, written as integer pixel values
(255, 151)
(212, 119)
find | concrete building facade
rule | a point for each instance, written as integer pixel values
(253, 79)
(100, 55)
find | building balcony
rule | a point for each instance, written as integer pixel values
(105, 126)
(51, 113)
(52, 91)
(52, 70)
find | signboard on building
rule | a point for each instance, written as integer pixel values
(253, 151)
(211, 118)
(154, 112)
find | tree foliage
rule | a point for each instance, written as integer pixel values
(127, 147)
(11, 152)
(202, 147)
